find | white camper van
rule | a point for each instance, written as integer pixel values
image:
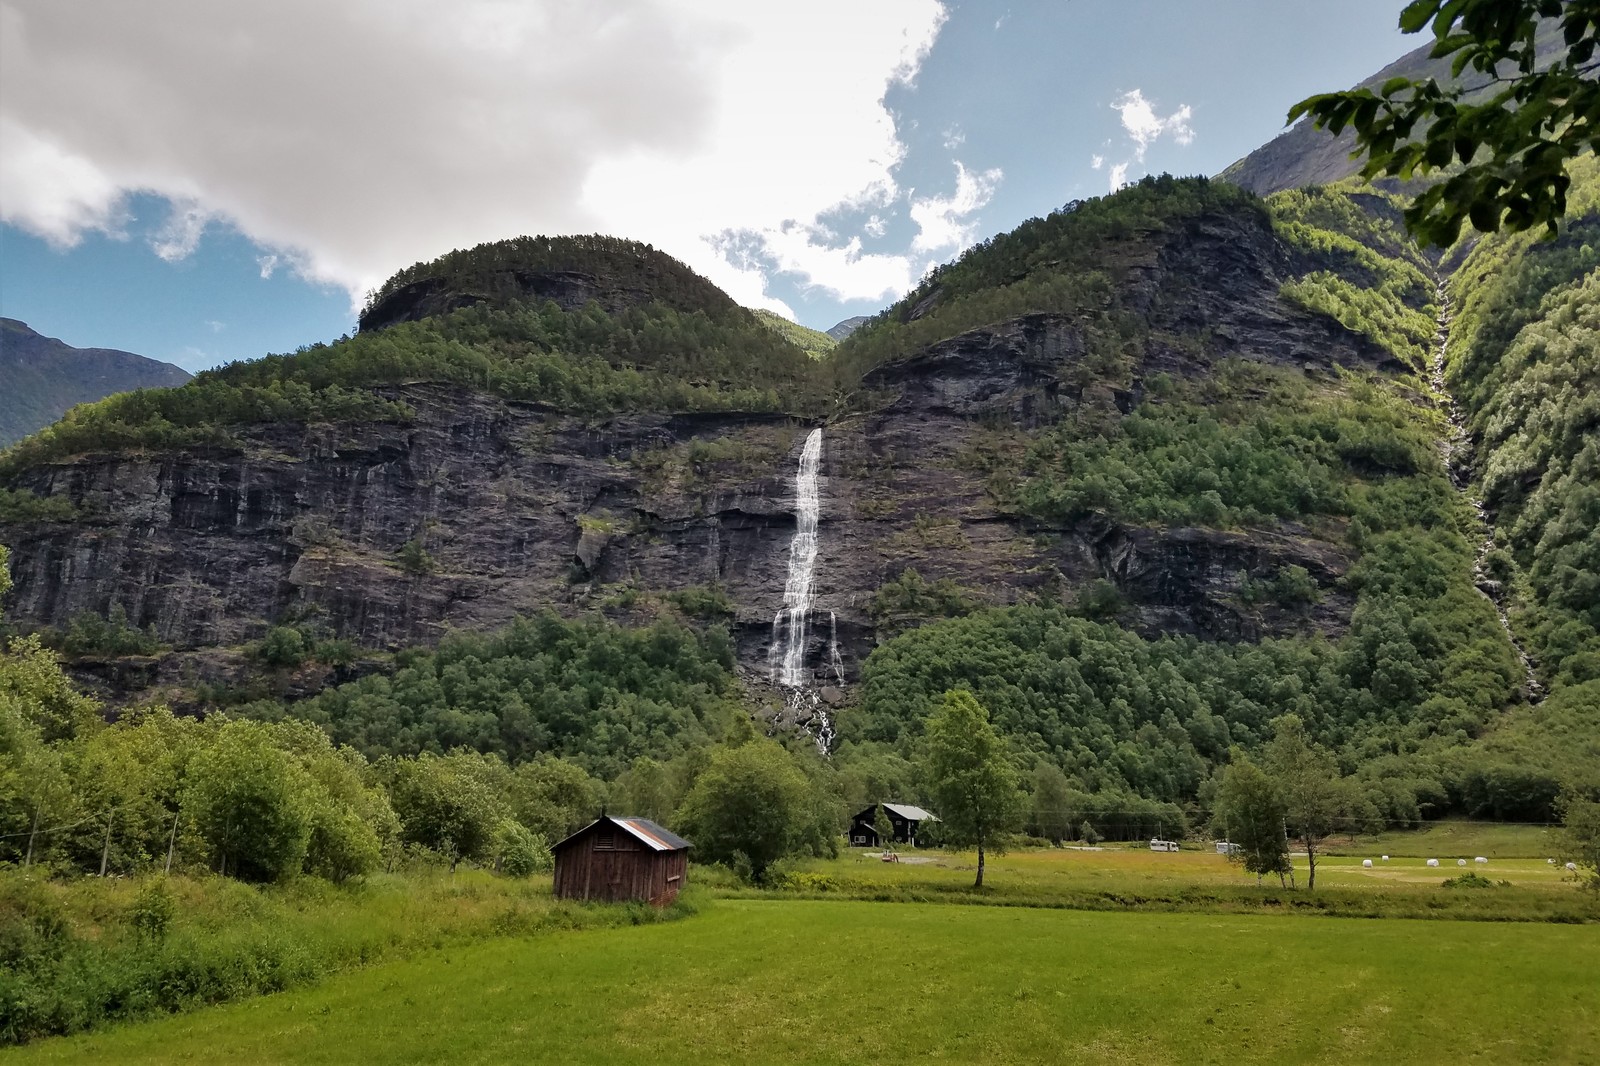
(1163, 845)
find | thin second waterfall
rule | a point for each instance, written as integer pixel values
(788, 655)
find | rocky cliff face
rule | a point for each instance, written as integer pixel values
(516, 507)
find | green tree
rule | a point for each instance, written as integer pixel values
(1508, 129)
(969, 777)
(352, 819)
(883, 828)
(30, 675)
(1052, 803)
(250, 804)
(751, 801)
(5, 572)
(415, 558)
(647, 790)
(1307, 781)
(1251, 815)
(519, 851)
(448, 803)
(554, 797)
(1580, 831)
(34, 788)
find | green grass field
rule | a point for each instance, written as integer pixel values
(1458, 839)
(1135, 878)
(815, 981)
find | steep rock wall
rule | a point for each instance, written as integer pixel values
(519, 507)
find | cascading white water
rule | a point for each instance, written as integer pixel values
(789, 626)
(787, 657)
(1454, 450)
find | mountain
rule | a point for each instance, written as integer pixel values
(840, 330)
(813, 342)
(1304, 155)
(1144, 474)
(44, 377)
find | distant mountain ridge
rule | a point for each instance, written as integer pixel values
(1304, 155)
(840, 330)
(44, 377)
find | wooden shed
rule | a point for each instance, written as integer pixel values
(617, 859)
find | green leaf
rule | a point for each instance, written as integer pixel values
(1416, 14)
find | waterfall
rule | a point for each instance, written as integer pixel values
(1455, 450)
(787, 657)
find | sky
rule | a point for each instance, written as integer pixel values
(202, 182)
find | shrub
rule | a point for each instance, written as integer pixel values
(414, 558)
(282, 646)
(89, 634)
(153, 909)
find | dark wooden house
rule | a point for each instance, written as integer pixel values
(904, 818)
(618, 859)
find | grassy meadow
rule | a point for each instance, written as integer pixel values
(1131, 877)
(775, 981)
(1114, 954)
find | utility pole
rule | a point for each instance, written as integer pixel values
(172, 839)
(105, 852)
(28, 859)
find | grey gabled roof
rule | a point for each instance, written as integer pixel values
(904, 810)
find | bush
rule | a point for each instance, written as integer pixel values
(283, 646)
(89, 634)
(153, 910)
(414, 558)
(520, 851)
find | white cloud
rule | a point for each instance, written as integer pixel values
(944, 224)
(50, 192)
(405, 128)
(876, 226)
(1144, 126)
(180, 235)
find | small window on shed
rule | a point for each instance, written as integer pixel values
(605, 840)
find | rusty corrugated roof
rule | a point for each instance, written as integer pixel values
(652, 834)
(643, 830)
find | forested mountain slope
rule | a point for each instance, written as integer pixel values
(1145, 474)
(44, 377)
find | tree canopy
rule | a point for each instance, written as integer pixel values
(969, 776)
(1504, 134)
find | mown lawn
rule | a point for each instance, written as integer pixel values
(819, 981)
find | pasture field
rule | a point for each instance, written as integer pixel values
(1122, 877)
(1457, 838)
(780, 981)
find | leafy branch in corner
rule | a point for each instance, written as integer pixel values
(1505, 139)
